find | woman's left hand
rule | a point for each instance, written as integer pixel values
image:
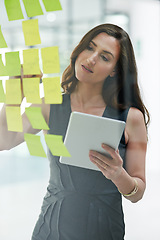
(111, 166)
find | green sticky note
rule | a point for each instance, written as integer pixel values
(31, 90)
(31, 32)
(34, 145)
(13, 65)
(52, 90)
(13, 9)
(31, 61)
(14, 119)
(13, 91)
(2, 67)
(56, 145)
(2, 94)
(36, 118)
(52, 5)
(50, 60)
(33, 8)
(3, 43)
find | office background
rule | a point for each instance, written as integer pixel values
(23, 178)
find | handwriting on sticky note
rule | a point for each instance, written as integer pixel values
(33, 8)
(34, 145)
(13, 65)
(3, 43)
(36, 118)
(14, 119)
(56, 145)
(50, 60)
(31, 32)
(31, 90)
(52, 90)
(2, 94)
(31, 61)
(13, 91)
(13, 9)
(52, 5)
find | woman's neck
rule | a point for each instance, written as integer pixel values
(86, 98)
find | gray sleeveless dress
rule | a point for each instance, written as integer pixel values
(80, 204)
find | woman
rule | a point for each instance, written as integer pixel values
(100, 80)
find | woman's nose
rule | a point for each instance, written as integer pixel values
(92, 59)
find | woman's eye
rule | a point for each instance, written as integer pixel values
(105, 59)
(89, 48)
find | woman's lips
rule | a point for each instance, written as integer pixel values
(86, 69)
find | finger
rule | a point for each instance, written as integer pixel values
(100, 159)
(100, 164)
(100, 156)
(114, 154)
(110, 150)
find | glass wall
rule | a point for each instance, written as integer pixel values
(23, 178)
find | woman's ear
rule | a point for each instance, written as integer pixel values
(113, 73)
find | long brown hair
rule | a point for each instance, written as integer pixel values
(122, 90)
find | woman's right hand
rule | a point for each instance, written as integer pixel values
(10, 139)
(26, 76)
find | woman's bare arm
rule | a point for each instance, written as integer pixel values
(136, 137)
(10, 139)
(112, 168)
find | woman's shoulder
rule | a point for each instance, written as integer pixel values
(135, 116)
(135, 125)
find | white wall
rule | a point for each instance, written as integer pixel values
(145, 30)
(142, 219)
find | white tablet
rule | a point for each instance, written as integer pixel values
(87, 132)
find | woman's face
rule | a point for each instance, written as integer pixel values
(94, 64)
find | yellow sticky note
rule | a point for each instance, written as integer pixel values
(52, 5)
(13, 65)
(13, 9)
(31, 32)
(36, 118)
(52, 90)
(14, 119)
(56, 145)
(13, 91)
(31, 61)
(2, 67)
(34, 145)
(33, 8)
(3, 43)
(2, 94)
(31, 90)
(50, 60)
